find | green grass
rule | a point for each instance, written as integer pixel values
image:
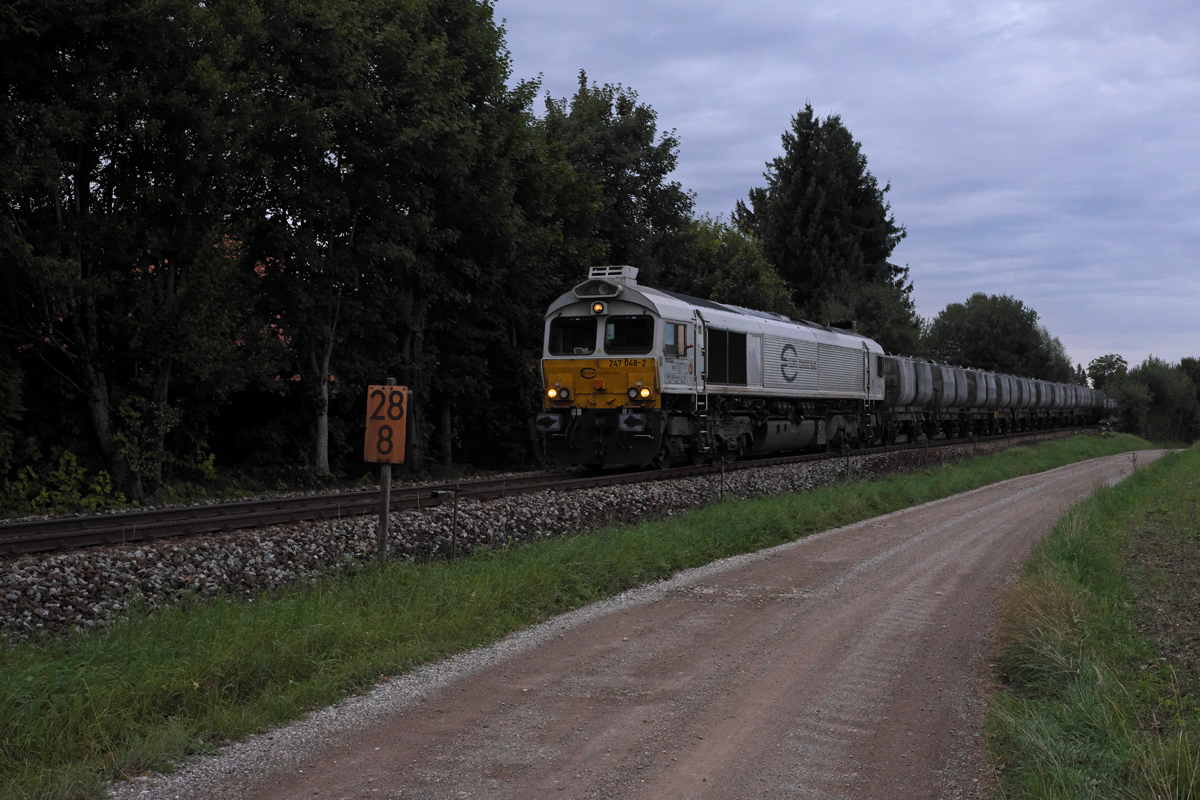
(82, 710)
(1094, 648)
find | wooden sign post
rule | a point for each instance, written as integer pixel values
(387, 407)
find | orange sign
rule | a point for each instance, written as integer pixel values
(386, 409)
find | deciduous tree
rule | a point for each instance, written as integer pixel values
(1158, 400)
(119, 133)
(1104, 369)
(1000, 333)
(725, 264)
(613, 141)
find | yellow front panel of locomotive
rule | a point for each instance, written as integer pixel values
(601, 382)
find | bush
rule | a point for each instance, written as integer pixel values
(64, 484)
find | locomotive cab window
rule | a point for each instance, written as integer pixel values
(572, 336)
(629, 335)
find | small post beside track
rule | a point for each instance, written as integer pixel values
(385, 508)
(385, 502)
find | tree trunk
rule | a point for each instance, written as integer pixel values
(100, 410)
(320, 363)
(96, 385)
(160, 418)
(414, 441)
(447, 437)
(411, 353)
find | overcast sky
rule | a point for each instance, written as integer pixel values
(1049, 151)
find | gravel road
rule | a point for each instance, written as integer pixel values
(848, 664)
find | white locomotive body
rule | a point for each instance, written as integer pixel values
(638, 376)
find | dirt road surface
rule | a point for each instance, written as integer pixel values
(849, 664)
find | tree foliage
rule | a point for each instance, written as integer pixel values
(250, 209)
(1158, 401)
(725, 264)
(1104, 369)
(118, 150)
(612, 140)
(825, 224)
(999, 333)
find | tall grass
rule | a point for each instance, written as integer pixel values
(1091, 707)
(79, 711)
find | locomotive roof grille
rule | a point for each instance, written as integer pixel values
(621, 273)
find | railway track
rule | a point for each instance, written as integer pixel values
(106, 529)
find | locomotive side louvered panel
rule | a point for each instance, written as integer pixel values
(840, 369)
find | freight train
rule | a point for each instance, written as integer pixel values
(639, 376)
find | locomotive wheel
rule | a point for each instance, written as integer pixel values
(663, 459)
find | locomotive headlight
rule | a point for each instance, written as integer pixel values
(598, 307)
(645, 393)
(632, 394)
(564, 393)
(552, 394)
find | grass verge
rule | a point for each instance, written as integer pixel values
(1094, 648)
(79, 711)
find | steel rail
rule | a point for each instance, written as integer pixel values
(119, 528)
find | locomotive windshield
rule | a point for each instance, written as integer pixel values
(629, 335)
(572, 336)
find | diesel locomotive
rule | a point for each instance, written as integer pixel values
(641, 376)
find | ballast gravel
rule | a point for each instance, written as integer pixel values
(91, 588)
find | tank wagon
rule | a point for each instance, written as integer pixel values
(639, 376)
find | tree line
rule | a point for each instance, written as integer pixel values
(1158, 400)
(223, 219)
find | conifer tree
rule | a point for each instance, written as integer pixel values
(826, 226)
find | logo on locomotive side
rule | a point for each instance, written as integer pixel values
(790, 363)
(587, 372)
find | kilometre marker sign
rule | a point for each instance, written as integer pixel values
(386, 409)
